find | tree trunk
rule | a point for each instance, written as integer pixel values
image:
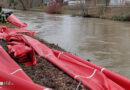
(30, 3)
(107, 2)
(84, 7)
(23, 5)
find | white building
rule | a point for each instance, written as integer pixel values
(119, 2)
(73, 2)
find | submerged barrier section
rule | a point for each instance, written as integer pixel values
(91, 75)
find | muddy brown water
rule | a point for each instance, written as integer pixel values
(104, 42)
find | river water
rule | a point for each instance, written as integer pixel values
(104, 42)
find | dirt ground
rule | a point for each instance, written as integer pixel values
(47, 74)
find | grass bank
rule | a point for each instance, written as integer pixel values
(40, 8)
(122, 17)
(119, 13)
(65, 10)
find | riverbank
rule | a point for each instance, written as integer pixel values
(95, 9)
(118, 13)
(47, 74)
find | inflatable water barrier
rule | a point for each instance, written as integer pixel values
(15, 21)
(12, 77)
(90, 75)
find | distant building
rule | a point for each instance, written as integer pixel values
(119, 2)
(116, 2)
(46, 1)
(111, 2)
(93, 2)
(73, 2)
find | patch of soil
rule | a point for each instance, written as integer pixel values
(7, 25)
(47, 74)
(3, 43)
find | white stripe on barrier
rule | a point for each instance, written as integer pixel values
(102, 69)
(47, 89)
(88, 76)
(60, 54)
(15, 71)
(48, 55)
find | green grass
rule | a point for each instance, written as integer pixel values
(41, 8)
(122, 17)
(69, 11)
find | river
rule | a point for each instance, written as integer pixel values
(104, 42)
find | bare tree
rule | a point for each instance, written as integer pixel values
(107, 2)
(30, 3)
(23, 4)
(84, 7)
(26, 4)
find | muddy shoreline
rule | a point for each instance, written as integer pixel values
(47, 74)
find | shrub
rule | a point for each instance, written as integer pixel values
(122, 17)
(54, 8)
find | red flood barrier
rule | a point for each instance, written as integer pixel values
(12, 77)
(122, 81)
(91, 75)
(15, 21)
(22, 53)
(5, 32)
(25, 55)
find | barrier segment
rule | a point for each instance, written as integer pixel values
(15, 21)
(121, 80)
(12, 77)
(5, 32)
(21, 52)
(95, 76)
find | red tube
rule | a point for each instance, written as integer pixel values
(14, 20)
(123, 81)
(12, 77)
